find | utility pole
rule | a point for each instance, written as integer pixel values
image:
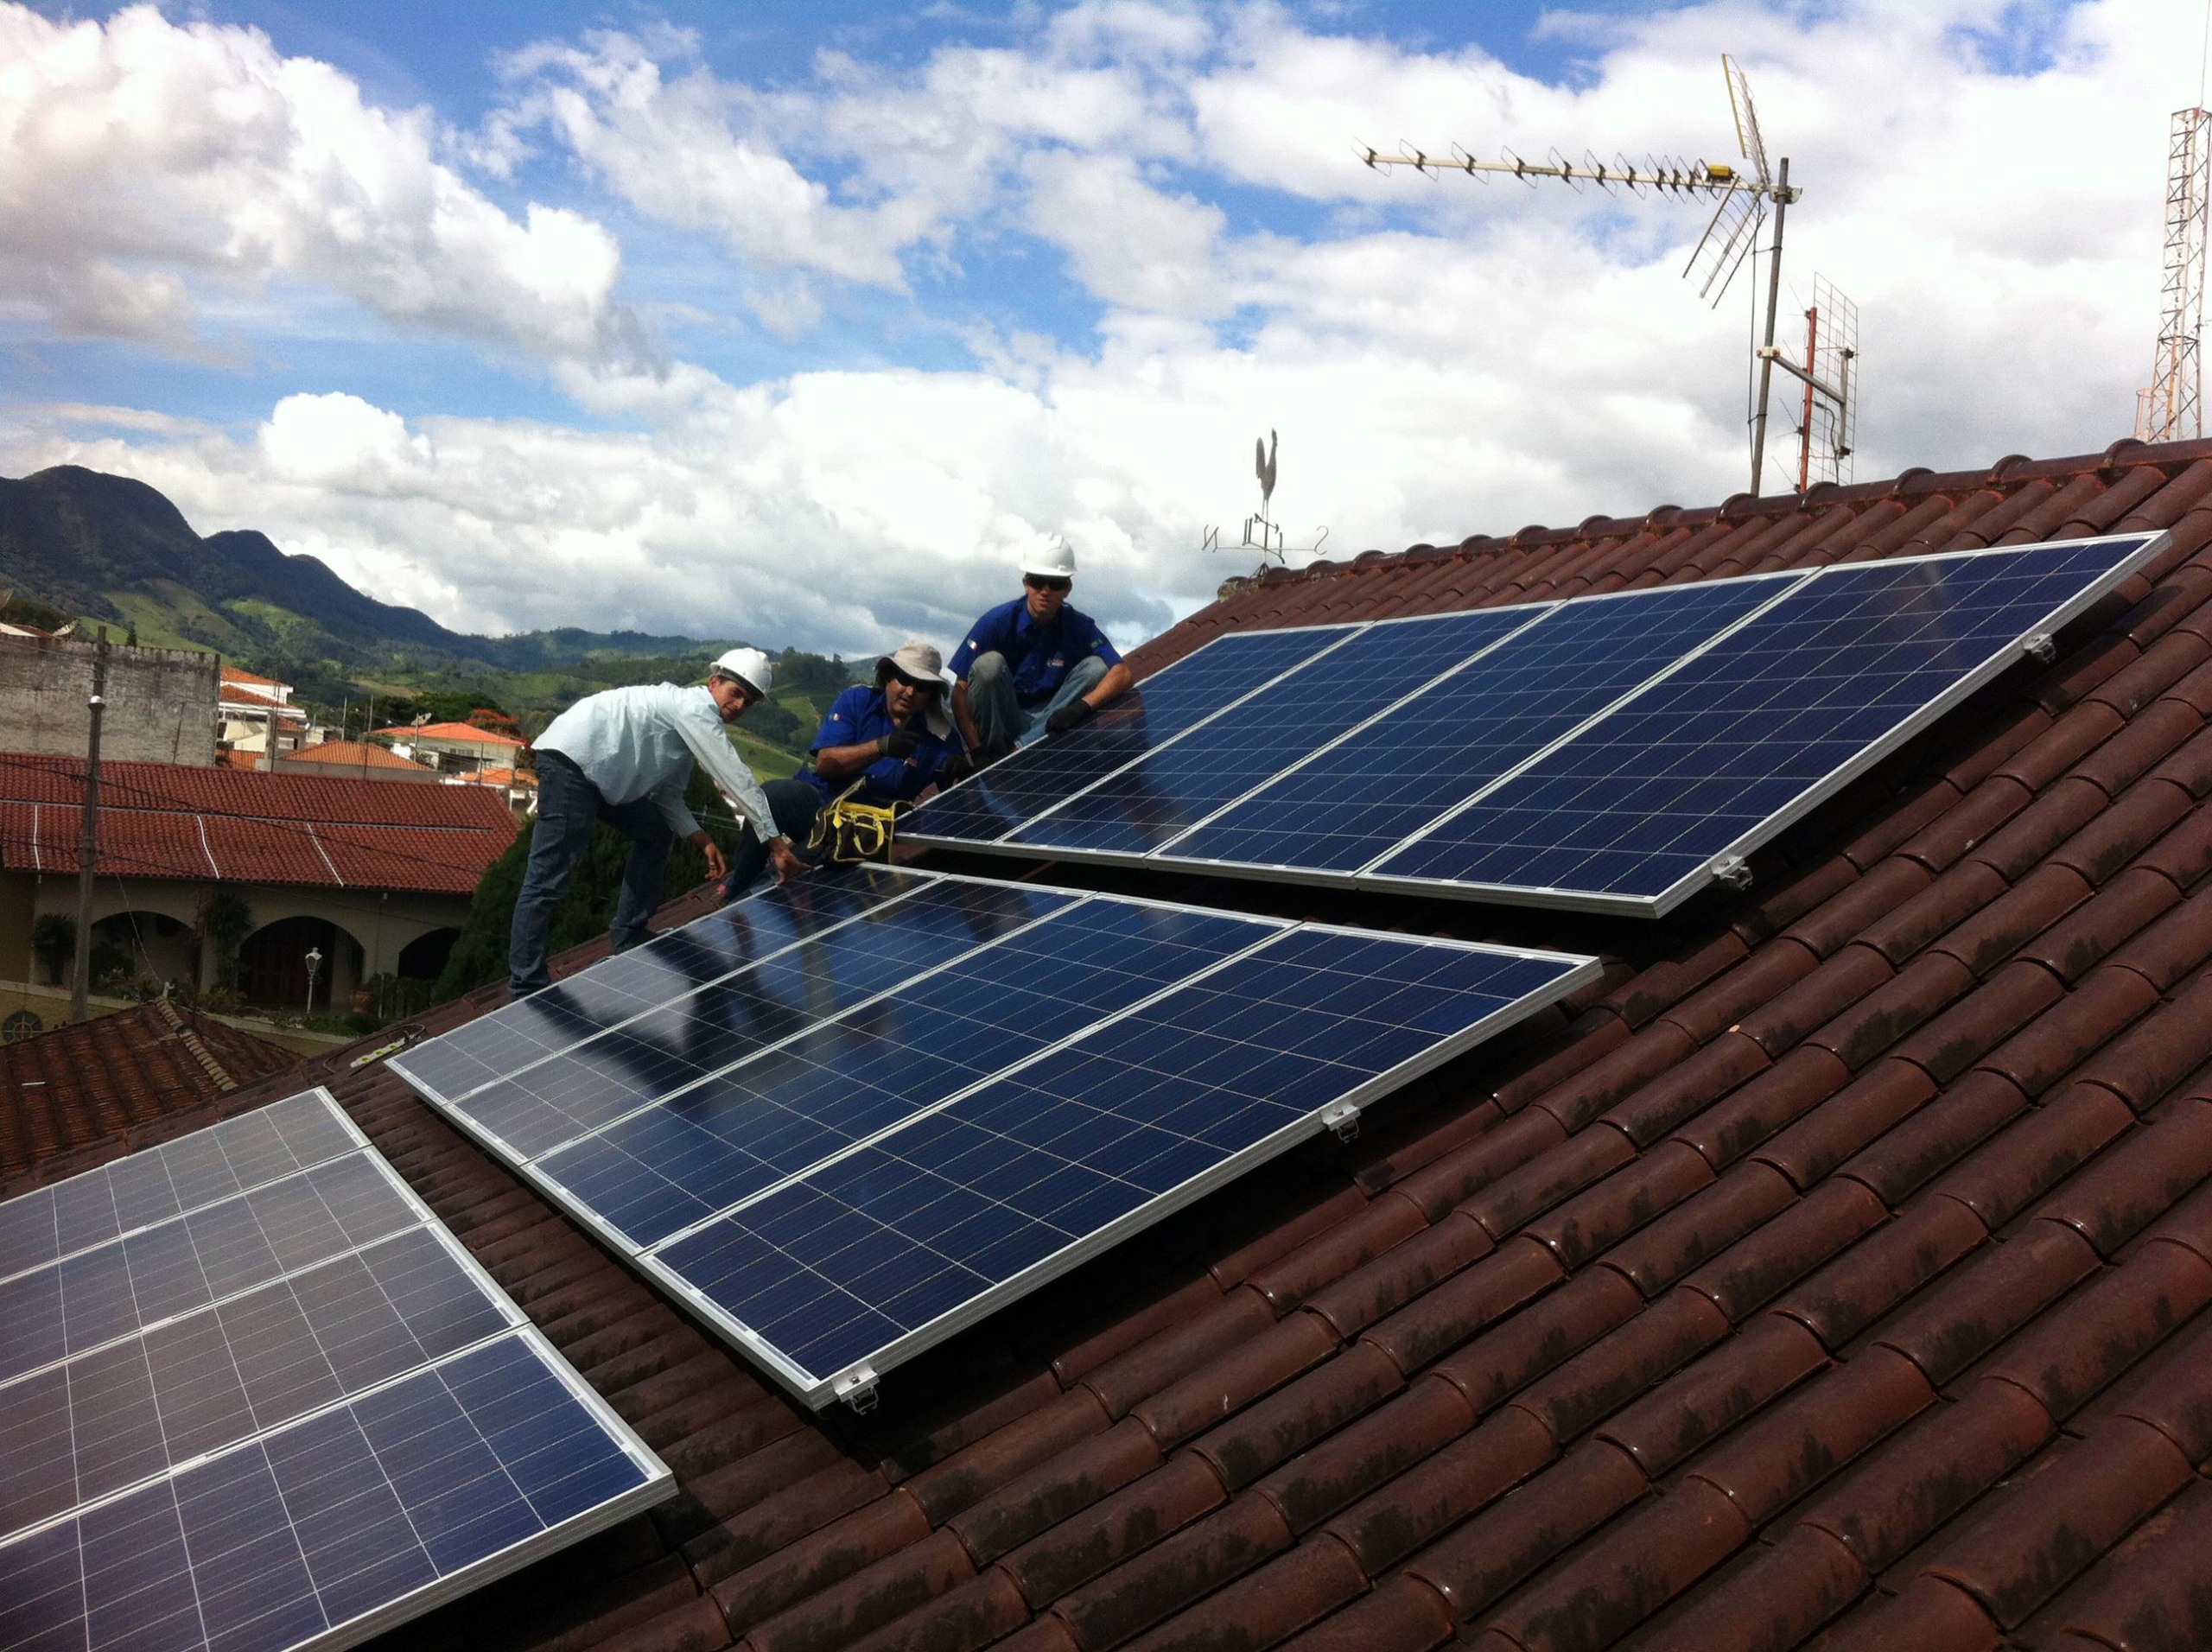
(80, 973)
(1766, 350)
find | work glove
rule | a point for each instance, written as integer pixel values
(954, 769)
(1073, 714)
(901, 743)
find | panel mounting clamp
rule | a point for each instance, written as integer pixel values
(856, 1388)
(1733, 870)
(2040, 647)
(1343, 1118)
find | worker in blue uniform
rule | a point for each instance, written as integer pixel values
(893, 737)
(1033, 659)
(626, 757)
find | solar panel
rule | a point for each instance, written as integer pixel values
(1156, 798)
(289, 1417)
(1193, 689)
(1160, 1049)
(1745, 737)
(1613, 753)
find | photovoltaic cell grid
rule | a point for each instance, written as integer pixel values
(981, 1085)
(260, 1403)
(1612, 752)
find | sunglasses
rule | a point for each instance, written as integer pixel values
(1036, 582)
(919, 684)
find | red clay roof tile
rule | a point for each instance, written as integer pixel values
(1958, 984)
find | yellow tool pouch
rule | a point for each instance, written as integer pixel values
(847, 830)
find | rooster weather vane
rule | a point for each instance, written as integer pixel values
(1261, 532)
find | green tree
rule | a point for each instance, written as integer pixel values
(226, 919)
(480, 954)
(53, 942)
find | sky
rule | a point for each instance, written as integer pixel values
(798, 324)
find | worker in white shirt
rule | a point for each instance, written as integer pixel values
(626, 757)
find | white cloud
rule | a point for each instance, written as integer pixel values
(1442, 359)
(140, 156)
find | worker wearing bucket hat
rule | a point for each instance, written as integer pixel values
(894, 738)
(626, 757)
(1035, 658)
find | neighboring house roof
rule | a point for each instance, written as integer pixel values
(456, 734)
(162, 820)
(1833, 1267)
(354, 754)
(74, 1087)
(232, 674)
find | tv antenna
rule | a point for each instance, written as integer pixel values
(2171, 410)
(1261, 532)
(1745, 197)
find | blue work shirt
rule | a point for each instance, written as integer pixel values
(1038, 656)
(863, 714)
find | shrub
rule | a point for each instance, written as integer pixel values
(53, 942)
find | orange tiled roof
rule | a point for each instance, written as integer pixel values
(70, 1087)
(1834, 1272)
(458, 732)
(353, 754)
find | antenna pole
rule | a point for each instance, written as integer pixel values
(1773, 299)
(81, 969)
(1805, 434)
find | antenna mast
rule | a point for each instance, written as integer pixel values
(2171, 409)
(1729, 237)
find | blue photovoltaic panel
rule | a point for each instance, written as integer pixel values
(1048, 980)
(135, 1408)
(281, 1418)
(1640, 803)
(779, 1113)
(1042, 773)
(704, 1031)
(1357, 799)
(116, 1289)
(331, 1526)
(162, 1182)
(836, 1267)
(618, 989)
(1157, 798)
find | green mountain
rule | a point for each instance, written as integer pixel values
(76, 542)
(109, 548)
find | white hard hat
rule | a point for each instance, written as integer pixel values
(749, 666)
(1051, 557)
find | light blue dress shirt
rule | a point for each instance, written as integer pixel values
(642, 741)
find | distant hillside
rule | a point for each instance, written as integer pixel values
(109, 548)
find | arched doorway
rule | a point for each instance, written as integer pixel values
(133, 946)
(425, 957)
(273, 964)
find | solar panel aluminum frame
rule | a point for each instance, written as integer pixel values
(659, 1483)
(1570, 900)
(856, 1382)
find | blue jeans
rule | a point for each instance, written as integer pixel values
(569, 806)
(1001, 721)
(794, 804)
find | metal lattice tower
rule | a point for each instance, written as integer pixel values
(2171, 410)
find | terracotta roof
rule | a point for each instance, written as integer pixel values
(354, 754)
(164, 820)
(98, 1081)
(458, 732)
(1831, 1272)
(232, 674)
